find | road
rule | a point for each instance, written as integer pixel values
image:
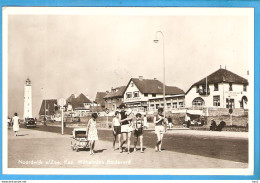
(233, 149)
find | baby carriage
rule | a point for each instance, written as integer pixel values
(79, 139)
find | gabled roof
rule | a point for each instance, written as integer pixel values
(119, 93)
(70, 98)
(79, 101)
(221, 76)
(51, 107)
(100, 98)
(154, 86)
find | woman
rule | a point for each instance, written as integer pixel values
(16, 122)
(92, 132)
(126, 127)
(159, 129)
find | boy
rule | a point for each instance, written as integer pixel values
(138, 125)
(116, 127)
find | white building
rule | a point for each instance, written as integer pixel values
(147, 95)
(224, 89)
(27, 99)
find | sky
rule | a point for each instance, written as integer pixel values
(66, 54)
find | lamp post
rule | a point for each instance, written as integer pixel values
(156, 40)
(44, 119)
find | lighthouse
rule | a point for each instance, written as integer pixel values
(27, 99)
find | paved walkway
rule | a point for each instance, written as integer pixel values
(38, 149)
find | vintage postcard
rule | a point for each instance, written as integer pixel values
(123, 91)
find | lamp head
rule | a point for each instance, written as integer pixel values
(156, 40)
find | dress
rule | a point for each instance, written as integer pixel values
(92, 132)
(16, 123)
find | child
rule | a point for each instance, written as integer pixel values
(116, 127)
(16, 123)
(92, 132)
(138, 125)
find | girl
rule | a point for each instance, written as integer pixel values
(16, 123)
(116, 127)
(92, 132)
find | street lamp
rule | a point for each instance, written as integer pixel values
(44, 106)
(156, 40)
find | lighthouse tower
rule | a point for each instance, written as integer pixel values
(27, 99)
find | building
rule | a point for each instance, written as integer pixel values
(99, 103)
(147, 95)
(114, 98)
(78, 106)
(49, 109)
(221, 89)
(27, 99)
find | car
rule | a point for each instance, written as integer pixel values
(29, 122)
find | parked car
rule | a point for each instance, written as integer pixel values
(29, 122)
(195, 118)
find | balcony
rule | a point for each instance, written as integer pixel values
(204, 91)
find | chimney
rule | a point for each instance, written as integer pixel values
(140, 77)
(220, 66)
(225, 67)
(155, 78)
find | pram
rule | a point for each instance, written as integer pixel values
(79, 139)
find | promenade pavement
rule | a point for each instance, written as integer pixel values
(38, 149)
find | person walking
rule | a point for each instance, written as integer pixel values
(126, 127)
(92, 132)
(116, 127)
(16, 123)
(159, 129)
(138, 133)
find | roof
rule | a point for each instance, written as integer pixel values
(154, 86)
(79, 101)
(221, 76)
(50, 107)
(119, 93)
(70, 98)
(100, 98)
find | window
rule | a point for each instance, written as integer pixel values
(198, 102)
(174, 105)
(216, 87)
(132, 84)
(230, 87)
(230, 103)
(146, 94)
(181, 104)
(136, 94)
(152, 106)
(168, 105)
(153, 95)
(157, 106)
(216, 100)
(128, 95)
(244, 88)
(197, 89)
